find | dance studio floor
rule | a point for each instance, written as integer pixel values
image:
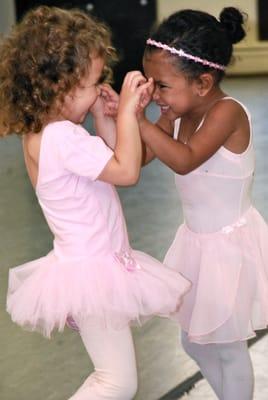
(34, 368)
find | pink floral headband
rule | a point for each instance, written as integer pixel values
(182, 53)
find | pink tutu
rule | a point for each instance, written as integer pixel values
(229, 272)
(92, 272)
(115, 291)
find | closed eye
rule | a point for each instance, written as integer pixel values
(161, 85)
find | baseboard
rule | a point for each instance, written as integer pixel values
(250, 60)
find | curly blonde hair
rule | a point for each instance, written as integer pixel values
(43, 58)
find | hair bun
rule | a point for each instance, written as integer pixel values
(232, 20)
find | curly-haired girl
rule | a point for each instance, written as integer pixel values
(50, 73)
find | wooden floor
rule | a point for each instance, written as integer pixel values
(34, 368)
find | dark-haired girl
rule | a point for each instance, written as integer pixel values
(205, 137)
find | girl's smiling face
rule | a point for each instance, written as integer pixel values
(173, 93)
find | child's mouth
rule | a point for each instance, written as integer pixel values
(164, 109)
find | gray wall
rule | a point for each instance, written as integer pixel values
(7, 15)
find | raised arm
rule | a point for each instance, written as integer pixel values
(104, 113)
(124, 167)
(163, 124)
(223, 124)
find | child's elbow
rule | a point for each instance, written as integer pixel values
(134, 178)
(182, 171)
(130, 178)
(185, 167)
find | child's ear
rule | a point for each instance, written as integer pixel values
(204, 84)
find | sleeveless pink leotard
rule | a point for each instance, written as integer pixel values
(222, 248)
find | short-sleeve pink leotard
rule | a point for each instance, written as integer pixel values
(91, 272)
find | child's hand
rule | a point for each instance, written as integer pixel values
(134, 96)
(147, 95)
(110, 99)
(97, 109)
(145, 100)
(107, 102)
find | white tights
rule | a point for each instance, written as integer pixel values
(113, 356)
(226, 366)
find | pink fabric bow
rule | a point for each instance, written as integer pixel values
(127, 261)
(230, 228)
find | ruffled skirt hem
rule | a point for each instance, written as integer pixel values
(115, 291)
(228, 300)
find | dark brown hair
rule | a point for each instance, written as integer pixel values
(43, 58)
(202, 35)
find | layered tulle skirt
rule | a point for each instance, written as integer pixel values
(114, 291)
(228, 269)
